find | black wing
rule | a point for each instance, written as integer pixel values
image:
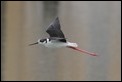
(54, 29)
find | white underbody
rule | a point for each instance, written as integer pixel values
(59, 44)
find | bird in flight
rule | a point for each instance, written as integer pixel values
(57, 39)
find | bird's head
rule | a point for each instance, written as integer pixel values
(40, 41)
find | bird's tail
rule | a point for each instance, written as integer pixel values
(72, 44)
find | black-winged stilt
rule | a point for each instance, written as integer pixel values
(57, 39)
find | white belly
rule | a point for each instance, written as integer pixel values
(55, 45)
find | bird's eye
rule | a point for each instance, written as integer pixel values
(42, 40)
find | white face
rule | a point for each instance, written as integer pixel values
(41, 41)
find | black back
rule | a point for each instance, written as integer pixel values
(57, 39)
(54, 29)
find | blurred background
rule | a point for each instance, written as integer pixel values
(94, 26)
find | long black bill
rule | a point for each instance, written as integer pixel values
(33, 44)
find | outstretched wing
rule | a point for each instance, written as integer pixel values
(54, 29)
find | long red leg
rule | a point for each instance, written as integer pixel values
(83, 51)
